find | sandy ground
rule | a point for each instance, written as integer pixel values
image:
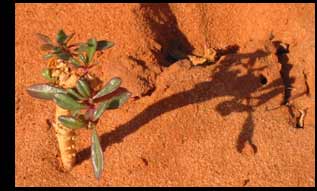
(191, 126)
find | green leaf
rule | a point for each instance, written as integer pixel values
(117, 101)
(67, 102)
(92, 45)
(100, 110)
(44, 91)
(83, 88)
(69, 38)
(73, 93)
(72, 122)
(64, 55)
(45, 39)
(82, 47)
(110, 87)
(46, 73)
(103, 44)
(61, 37)
(96, 154)
(46, 47)
(47, 56)
(75, 113)
(75, 62)
(83, 58)
(113, 103)
(57, 50)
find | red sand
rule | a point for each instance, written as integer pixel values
(197, 128)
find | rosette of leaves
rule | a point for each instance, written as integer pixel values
(61, 49)
(79, 54)
(86, 106)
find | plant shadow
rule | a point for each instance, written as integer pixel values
(225, 81)
(163, 24)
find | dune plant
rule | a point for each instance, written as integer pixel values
(79, 96)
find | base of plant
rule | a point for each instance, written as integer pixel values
(66, 141)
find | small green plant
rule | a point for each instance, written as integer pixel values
(79, 104)
(86, 108)
(79, 54)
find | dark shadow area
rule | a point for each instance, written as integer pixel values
(281, 53)
(163, 24)
(246, 134)
(139, 62)
(240, 87)
(282, 49)
(246, 85)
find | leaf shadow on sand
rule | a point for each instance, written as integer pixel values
(240, 87)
